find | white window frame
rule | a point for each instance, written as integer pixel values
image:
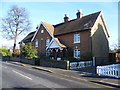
(76, 38)
(48, 52)
(47, 41)
(42, 31)
(36, 43)
(76, 53)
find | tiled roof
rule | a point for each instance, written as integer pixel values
(49, 27)
(61, 45)
(29, 37)
(84, 23)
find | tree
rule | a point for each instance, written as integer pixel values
(15, 24)
(115, 46)
(5, 52)
(28, 50)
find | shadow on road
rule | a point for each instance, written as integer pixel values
(103, 83)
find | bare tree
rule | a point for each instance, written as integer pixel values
(115, 46)
(15, 23)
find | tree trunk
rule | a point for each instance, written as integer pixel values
(14, 46)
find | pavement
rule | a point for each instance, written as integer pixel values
(83, 74)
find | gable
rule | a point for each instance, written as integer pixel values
(100, 22)
(54, 44)
(47, 27)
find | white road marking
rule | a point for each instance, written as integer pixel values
(22, 75)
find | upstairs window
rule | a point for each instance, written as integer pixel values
(76, 53)
(47, 41)
(36, 43)
(42, 31)
(76, 38)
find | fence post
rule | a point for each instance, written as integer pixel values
(68, 65)
(93, 61)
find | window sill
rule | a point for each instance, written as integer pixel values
(77, 57)
(76, 42)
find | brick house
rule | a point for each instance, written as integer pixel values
(72, 38)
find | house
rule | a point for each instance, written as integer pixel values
(72, 38)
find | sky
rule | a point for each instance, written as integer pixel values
(53, 13)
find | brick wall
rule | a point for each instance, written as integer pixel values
(41, 37)
(100, 44)
(54, 63)
(23, 60)
(84, 45)
(41, 62)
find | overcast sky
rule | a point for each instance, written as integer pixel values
(53, 13)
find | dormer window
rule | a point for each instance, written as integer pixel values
(76, 38)
(42, 31)
(47, 41)
(36, 43)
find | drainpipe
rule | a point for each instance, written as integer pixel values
(91, 49)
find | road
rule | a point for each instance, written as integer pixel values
(14, 76)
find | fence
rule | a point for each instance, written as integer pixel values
(109, 70)
(77, 65)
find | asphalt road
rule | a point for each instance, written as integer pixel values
(14, 76)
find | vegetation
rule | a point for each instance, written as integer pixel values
(16, 53)
(71, 59)
(15, 23)
(45, 57)
(86, 56)
(118, 50)
(5, 52)
(29, 51)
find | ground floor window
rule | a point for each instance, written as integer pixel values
(76, 53)
(48, 53)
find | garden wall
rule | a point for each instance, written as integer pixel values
(41, 62)
(54, 63)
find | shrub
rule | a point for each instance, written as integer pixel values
(28, 51)
(86, 56)
(16, 53)
(45, 57)
(71, 59)
(5, 52)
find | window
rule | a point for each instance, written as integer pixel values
(47, 41)
(42, 31)
(47, 52)
(76, 38)
(36, 43)
(76, 53)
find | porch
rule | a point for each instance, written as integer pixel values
(56, 50)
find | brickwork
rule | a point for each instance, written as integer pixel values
(84, 45)
(41, 37)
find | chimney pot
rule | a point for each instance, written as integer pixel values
(37, 27)
(66, 18)
(79, 14)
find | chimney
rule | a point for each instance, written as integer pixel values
(66, 18)
(79, 14)
(37, 27)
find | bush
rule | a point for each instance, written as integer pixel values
(29, 51)
(5, 52)
(16, 53)
(45, 57)
(86, 57)
(71, 59)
